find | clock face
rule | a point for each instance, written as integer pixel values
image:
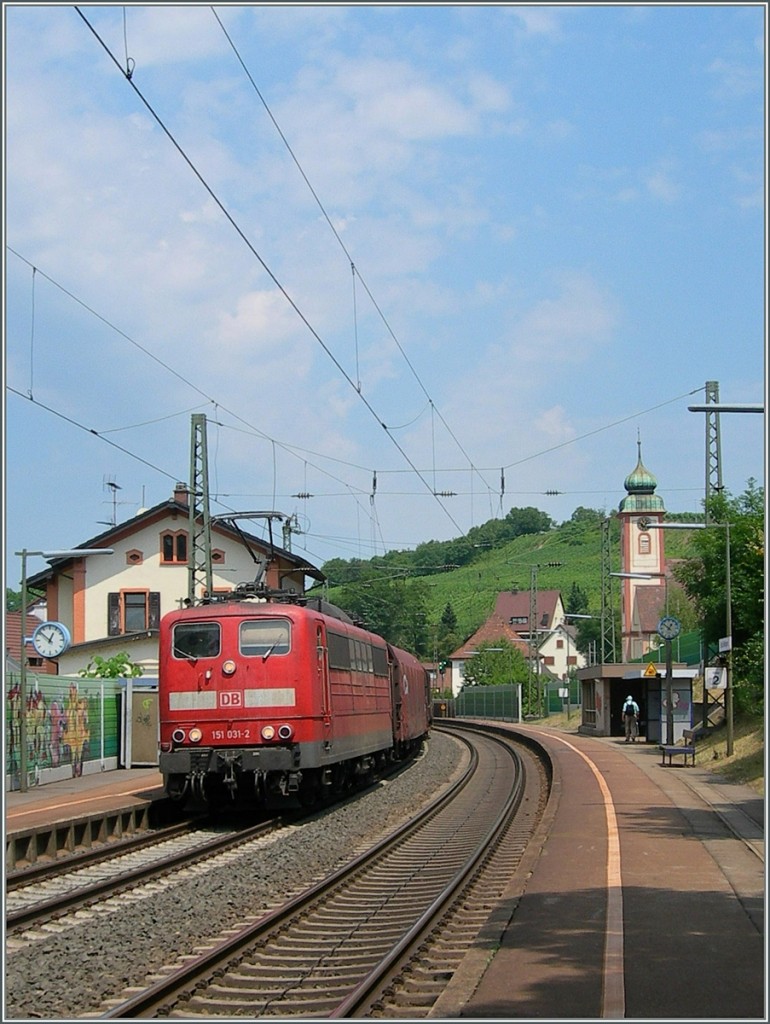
(669, 627)
(51, 639)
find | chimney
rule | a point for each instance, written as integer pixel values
(181, 493)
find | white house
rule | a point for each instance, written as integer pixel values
(114, 603)
(554, 638)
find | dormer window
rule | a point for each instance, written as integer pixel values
(173, 547)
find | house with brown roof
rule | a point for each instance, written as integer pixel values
(113, 603)
(550, 639)
(13, 653)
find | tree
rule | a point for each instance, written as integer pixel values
(703, 576)
(495, 664)
(395, 609)
(447, 637)
(449, 619)
(588, 516)
(13, 598)
(119, 666)
(528, 520)
(577, 601)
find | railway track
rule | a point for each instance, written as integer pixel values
(71, 888)
(52, 888)
(55, 889)
(19, 877)
(341, 946)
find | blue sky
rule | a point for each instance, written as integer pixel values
(468, 249)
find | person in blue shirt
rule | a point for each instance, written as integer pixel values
(631, 719)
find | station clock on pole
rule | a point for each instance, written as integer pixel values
(669, 627)
(51, 639)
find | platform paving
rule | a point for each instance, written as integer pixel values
(655, 847)
(685, 898)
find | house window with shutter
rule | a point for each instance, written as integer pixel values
(132, 611)
(173, 547)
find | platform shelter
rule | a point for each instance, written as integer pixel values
(604, 690)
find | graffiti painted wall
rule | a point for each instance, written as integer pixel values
(73, 726)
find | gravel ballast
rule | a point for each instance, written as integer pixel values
(72, 972)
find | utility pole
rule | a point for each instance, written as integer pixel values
(713, 447)
(199, 571)
(533, 652)
(607, 612)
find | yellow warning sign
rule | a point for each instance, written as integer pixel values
(650, 670)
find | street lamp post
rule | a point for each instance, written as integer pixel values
(646, 576)
(48, 555)
(728, 640)
(668, 643)
(574, 615)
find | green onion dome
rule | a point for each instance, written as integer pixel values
(640, 485)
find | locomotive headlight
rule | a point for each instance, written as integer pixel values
(268, 732)
(228, 668)
(285, 732)
(195, 735)
(178, 735)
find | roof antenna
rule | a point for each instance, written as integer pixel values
(112, 486)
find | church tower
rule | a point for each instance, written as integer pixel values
(641, 554)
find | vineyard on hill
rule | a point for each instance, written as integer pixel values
(565, 558)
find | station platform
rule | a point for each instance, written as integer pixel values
(642, 896)
(72, 798)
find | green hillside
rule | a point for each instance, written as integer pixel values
(471, 589)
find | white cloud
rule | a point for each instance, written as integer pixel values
(554, 423)
(449, 163)
(735, 79)
(158, 35)
(540, 21)
(661, 185)
(568, 327)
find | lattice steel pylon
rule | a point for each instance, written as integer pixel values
(713, 447)
(532, 673)
(608, 656)
(200, 580)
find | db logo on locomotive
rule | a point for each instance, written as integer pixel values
(231, 699)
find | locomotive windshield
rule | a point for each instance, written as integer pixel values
(264, 637)
(197, 640)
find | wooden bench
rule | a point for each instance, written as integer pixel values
(686, 749)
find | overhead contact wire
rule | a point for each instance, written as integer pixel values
(341, 243)
(236, 227)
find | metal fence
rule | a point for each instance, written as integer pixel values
(505, 702)
(500, 702)
(687, 649)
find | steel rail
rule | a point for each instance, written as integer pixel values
(87, 894)
(361, 995)
(155, 1000)
(106, 851)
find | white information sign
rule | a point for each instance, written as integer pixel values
(715, 679)
(725, 644)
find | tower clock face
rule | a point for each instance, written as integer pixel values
(50, 639)
(669, 627)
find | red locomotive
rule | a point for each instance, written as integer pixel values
(270, 702)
